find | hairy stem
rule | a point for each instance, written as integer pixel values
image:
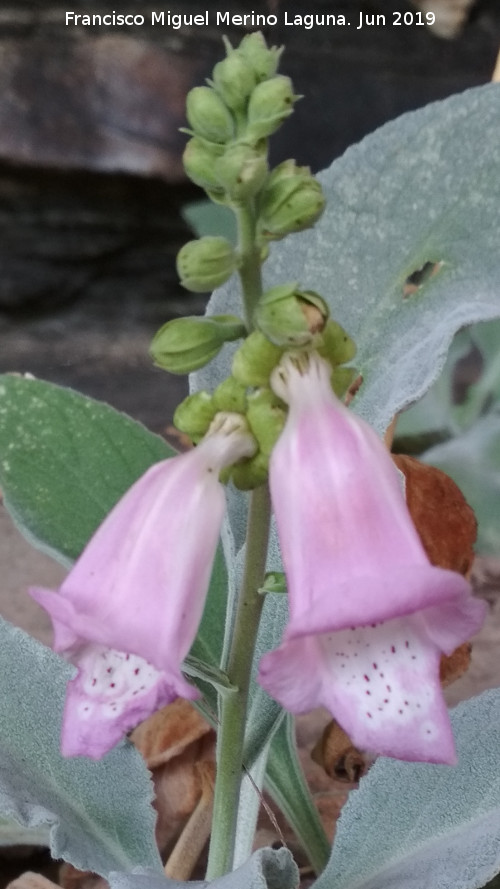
(234, 704)
(250, 260)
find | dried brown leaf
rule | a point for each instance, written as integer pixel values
(169, 732)
(30, 880)
(444, 520)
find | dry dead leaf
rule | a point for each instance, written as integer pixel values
(71, 878)
(30, 880)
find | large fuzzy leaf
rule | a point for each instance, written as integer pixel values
(266, 869)
(65, 460)
(422, 826)
(465, 436)
(472, 460)
(421, 189)
(100, 813)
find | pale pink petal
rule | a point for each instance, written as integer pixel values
(381, 683)
(111, 694)
(140, 585)
(360, 584)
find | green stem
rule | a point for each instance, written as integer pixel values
(234, 704)
(250, 261)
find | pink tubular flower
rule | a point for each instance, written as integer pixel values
(369, 614)
(129, 609)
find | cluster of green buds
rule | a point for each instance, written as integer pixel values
(230, 121)
(286, 318)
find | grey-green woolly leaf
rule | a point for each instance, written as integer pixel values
(434, 415)
(14, 834)
(437, 414)
(416, 191)
(100, 813)
(473, 462)
(266, 869)
(207, 218)
(421, 826)
(249, 807)
(287, 785)
(483, 395)
(65, 460)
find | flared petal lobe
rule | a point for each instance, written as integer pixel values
(111, 693)
(361, 589)
(140, 585)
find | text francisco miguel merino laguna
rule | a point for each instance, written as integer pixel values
(250, 20)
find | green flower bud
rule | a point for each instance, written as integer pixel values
(291, 200)
(206, 263)
(266, 418)
(269, 105)
(290, 317)
(251, 473)
(241, 170)
(255, 359)
(342, 378)
(195, 414)
(208, 116)
(185, 344)
(231, 395)
(336, 346)
(199, 163)
(234, 79)
(263, 59)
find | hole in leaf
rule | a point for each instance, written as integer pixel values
(420, 277)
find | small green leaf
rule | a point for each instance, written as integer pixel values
(274, 582)
(200, 670)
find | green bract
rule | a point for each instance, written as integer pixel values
(194, 415)
(199, 163)
(336, 345)
(291, 200)
(206, 263)
(290, 317)
(270, 104)
(241, 170)
(209, 117)
(234, 80)
(263, 59)
(255, 359)
(185, 344)
(231, 396)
